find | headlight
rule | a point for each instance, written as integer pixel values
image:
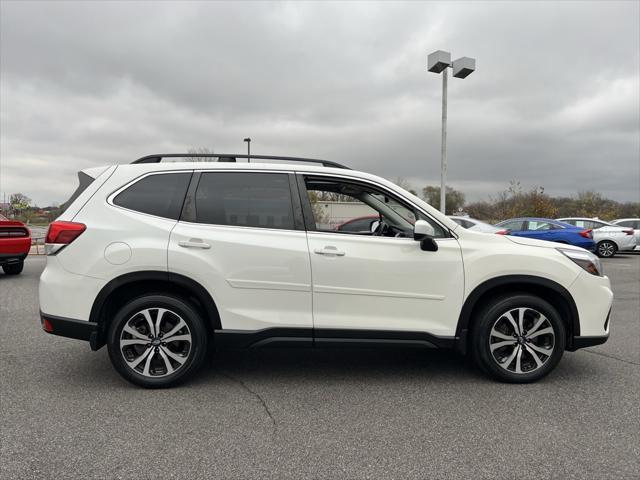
(585, 259)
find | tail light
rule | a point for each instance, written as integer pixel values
(587, 233)
(15, 232)
(61, 234)
(502, 232)
(629, 232)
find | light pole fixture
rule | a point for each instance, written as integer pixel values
(438, 62)
(248, 140)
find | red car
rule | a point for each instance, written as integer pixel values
(15, 242)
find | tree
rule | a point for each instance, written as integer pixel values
(201, 151)
(19, 202)
(404, 183)
(454, 199)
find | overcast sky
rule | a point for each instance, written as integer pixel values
(555, 100)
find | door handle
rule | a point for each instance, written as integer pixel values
(194, 243)
(330, 251)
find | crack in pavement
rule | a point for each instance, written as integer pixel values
(255, 394)
(610, 356)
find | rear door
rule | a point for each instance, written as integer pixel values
(241, 236)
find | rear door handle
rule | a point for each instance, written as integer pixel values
(329, 250)
(194, 243)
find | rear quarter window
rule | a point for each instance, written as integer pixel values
(159, 194)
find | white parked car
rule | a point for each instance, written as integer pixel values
(609, 238)
(630, 223)
(160, 260)
(473, 224)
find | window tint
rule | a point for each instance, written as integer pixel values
(540, 226)
(358, 225)
(245, 200)
(158, 194)
(577, 223)
(334, 202)
(594, 225)
(514, 226)
(628, 223)
(467, 224)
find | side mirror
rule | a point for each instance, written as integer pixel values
(428, 244)
(423, 232)
(374, 226)
(422, 229)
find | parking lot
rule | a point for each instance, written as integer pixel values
(317, 413)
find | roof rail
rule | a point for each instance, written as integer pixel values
(224, 157)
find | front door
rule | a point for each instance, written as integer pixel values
(377, 278)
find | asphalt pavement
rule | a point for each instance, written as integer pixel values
(293, 413)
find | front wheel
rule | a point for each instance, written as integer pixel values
(606, 249)
(157, 341)
(518, 338)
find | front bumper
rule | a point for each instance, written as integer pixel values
(70, 328)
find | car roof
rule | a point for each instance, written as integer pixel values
(139, 169)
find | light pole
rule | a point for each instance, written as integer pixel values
(438, 62)
(248, 140)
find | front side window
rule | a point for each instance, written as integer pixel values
(158, 194)
(354, 208)
(514, 226)
(244, 199)
(540, 226)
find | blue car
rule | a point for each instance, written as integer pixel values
(550, 230)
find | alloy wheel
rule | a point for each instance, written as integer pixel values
(606, 249)
(522, 340)
(155, 342)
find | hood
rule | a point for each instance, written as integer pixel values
(541, 243)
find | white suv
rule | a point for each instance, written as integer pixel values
(161, 260)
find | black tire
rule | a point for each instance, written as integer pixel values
(494, 315)
(606, 249)
(193, 352)
(14, 268)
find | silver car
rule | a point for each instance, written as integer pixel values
(609, 238)
(473, 224)
(630, 223)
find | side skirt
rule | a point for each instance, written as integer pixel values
(322, 338)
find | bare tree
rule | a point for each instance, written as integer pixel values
(200, 151)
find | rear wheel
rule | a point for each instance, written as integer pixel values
(14, 268)
(518, 338)
(607, 249)
(157, 341)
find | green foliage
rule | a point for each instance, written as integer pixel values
(454, 199)
(19, 202)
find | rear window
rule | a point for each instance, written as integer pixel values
(245, 199)
(84, 181)
(159, 194)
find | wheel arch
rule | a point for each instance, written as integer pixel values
(132, 285)
(547, 289)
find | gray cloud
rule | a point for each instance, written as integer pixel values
(555, 100)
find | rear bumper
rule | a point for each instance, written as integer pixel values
(9, 258)
(68, 327)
